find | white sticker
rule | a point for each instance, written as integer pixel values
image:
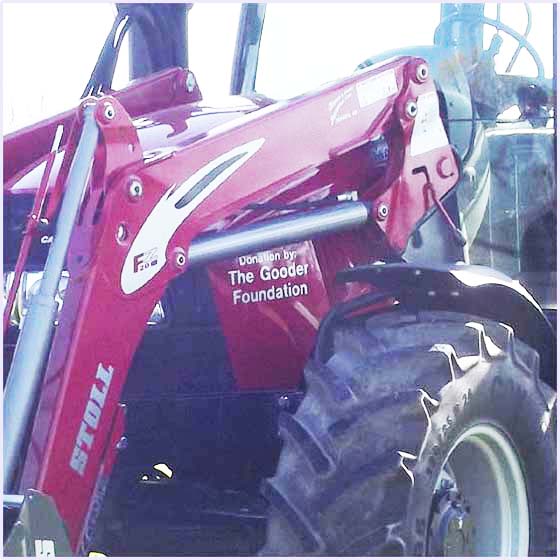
(428, 132)
(376, 88)
(279, 277)
(44, 548)
(147, 255)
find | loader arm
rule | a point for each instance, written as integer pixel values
(141, 223)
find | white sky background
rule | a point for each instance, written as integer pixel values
(49, 50)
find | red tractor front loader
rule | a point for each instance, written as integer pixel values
(271, 301)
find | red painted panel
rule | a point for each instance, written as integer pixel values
(270, 305)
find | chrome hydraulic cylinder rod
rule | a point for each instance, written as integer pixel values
(278, 231)
(32, 349)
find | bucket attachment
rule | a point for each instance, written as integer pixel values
(38, 529)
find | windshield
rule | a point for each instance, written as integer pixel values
(305, 45)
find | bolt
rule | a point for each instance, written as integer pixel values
(180, 258)
(122, 233)
(411, 109)
(190, 82)
(135, 189)
(470, 172)
(422, 72)
(109, 112)
(284, 402)
(122, 443)
(382, 211)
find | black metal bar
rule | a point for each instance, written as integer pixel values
(245, 59)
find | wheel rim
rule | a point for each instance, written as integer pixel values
(480, 504)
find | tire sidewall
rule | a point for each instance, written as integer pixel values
(500, 395)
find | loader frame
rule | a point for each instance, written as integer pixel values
(248, 188)
(112, 272)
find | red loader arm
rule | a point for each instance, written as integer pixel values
(138, 222)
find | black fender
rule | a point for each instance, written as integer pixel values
(470, 289)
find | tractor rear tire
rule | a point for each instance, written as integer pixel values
(424, 434)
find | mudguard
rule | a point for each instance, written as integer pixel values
(471, 289)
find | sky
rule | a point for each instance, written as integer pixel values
(50, 49)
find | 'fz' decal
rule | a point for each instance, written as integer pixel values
(143, 262)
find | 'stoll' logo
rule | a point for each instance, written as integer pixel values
(91, 418)
(142, 261)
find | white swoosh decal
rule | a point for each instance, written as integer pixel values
(147, 254)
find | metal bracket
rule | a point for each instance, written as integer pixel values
(38, 530)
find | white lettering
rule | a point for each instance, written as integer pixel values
(84, 437)
(92, 414)
(98, 396)
(237, 277)
(260, 258)
(79, 460)
(105, 374)
(270, 294)
(91, 418)
(290, 271)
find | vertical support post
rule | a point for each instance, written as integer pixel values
(245, 58)
(464, 35)
(31, 352)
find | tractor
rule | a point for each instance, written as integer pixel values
(318, 323)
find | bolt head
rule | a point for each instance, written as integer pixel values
(122, 233)
(180, 258)
(382, 211)
(135, 189)
(122, 443)
(411, 109)
(284, 402)
(422, 72)
(190, 82)
(109, 111)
